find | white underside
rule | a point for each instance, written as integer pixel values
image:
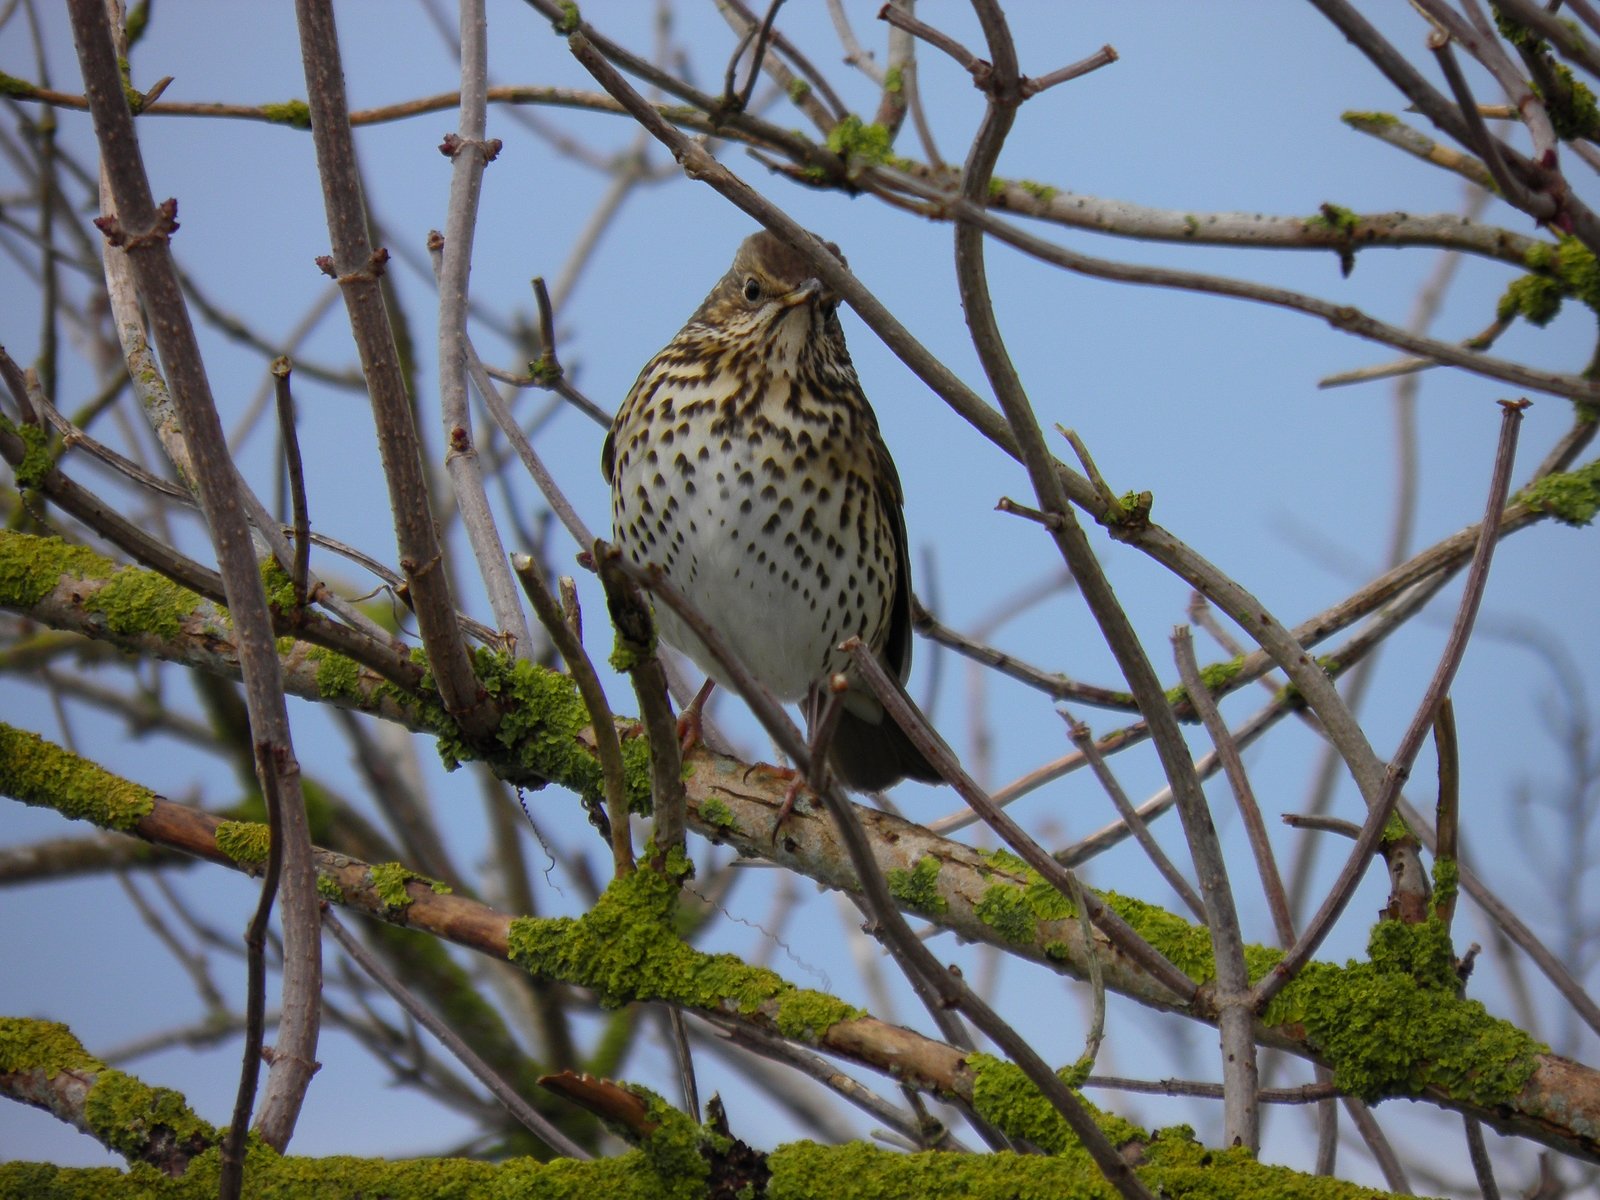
(763, 610)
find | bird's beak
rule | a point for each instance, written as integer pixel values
(804, 294)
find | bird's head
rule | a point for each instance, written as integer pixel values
(767, 288)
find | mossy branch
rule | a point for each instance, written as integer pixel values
(173, 1156)
(1438, 1047)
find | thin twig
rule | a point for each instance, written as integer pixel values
(1097, 979)
(1515, 929)
(901, 18)
(470, 151)
(899, 708)
(501, 413)
(255, 1005)
(1322, 824)
(357, 267)
(1484, 142)
(1438, 687)
(678, 1032)
(1448, 809)
(535, 1122)
(608, 747)
(1343, 317)
(756, 1041)
(635, 627)
(1394, 1174)
(300, 569)
(1103, 57)
(1482, 1167)
(1310, 1093)
(1235, 1019)
(1083, 739)
(547, 370)
(1243, 794)
(144, 231)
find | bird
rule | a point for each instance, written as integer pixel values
(747, 466)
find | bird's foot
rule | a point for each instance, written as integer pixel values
(797, 784)
(691, 721)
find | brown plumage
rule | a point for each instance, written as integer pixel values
(747, 464)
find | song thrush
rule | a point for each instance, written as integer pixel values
(747, 464)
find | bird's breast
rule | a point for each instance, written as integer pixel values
(766, 521)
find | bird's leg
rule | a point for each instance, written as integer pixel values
(822, 725)
(690, 719)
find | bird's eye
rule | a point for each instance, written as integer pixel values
(752, 290)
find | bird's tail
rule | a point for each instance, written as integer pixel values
(873, 755)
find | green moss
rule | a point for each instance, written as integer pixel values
(543, 715)
(627, 655)
(1186, 946)
(1217, 677)
(1422, 951)
(121, 1112)
(1534, 298)
(1004, 1095)
(799, 89)
(636, 774)
(569, 20)
(997, 187)
(1446, 881)
(894, 81)
(805, 1015)
(277, 584)
(1571, 106)
(138, 21)
(1568, 267)
(1004, 909)
(338, 677)
(626, 949)
(1041, 192)
(1572, 498)
(545, 370)
(136, 601)
(31, 567)
(1335, 219)
(628, 1176)
(246, 842)
(48, 1046)
(328, 888)
(1046, 902)
(673, 1149)
(854, 138)
(1001, 859)
(131, 94)
(1173, 1165)
(294, 113)
(42, 774)
(1395, 831)
(10, 85)
(716, 812)
(918, 888)
(1389, 1026)
(1358, 119)
(127, 1116)
(1395, 1026)
(389, 882)
(37, 461)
